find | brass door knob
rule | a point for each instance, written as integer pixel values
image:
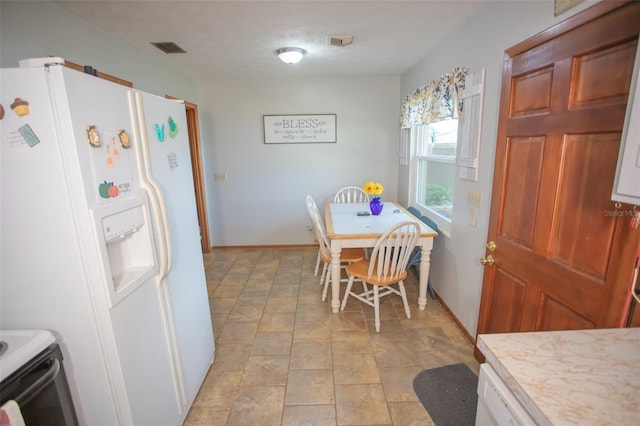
(491, 246)
(487, 261)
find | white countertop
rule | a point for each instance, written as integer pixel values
(585, 377)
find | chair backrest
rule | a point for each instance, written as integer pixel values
(318, 227)
(392, 251)
(351, 194)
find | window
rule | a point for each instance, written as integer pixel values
(436, 166)
(442, 149)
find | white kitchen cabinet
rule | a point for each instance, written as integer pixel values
(626, 187)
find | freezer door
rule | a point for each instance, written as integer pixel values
(101, 121)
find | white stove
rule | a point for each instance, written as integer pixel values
(17, 347)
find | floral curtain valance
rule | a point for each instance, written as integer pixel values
(438, 100)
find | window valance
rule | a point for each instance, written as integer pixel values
(437, 100)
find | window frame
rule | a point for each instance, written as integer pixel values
(412, 134)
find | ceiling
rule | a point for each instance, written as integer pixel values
(238, 39)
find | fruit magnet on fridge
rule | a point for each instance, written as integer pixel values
(93, 136)
(173, 128)
(108, 190)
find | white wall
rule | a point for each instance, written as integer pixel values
(456, 273)
(32, 29)
(262, 202)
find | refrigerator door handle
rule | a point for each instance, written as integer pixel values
(155, 193)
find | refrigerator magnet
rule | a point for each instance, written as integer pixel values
(159, 132)
(124, 138)
(173, 128)
(114, 149)
(20, 107)
(29, 136)
(93, 136)
(109, 156)
(172, 158)
(1, 112)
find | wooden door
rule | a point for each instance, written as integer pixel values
(564, 253)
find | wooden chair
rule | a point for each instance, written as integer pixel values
(347, 255)
(387, 266)
(351, 194)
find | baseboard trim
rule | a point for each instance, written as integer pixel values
(266, 246)
(468, 336)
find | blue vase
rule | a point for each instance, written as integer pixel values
(376, 206)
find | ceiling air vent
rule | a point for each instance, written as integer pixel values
(168, 47)
(339, 40)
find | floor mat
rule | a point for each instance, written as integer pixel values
(448, 394)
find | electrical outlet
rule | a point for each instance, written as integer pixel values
(474, 198)
(220, 177)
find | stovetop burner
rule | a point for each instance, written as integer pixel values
(17, 347)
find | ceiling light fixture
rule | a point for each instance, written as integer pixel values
(290, 55)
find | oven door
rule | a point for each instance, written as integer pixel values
(41, 390)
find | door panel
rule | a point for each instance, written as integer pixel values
(561, 261)
(522, 186)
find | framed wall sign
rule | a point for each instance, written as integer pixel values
(311, 128)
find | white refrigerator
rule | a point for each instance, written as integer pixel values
(101, 243)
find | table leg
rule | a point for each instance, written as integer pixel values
(425, 264)
(335, 275)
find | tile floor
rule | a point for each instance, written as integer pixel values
(283, 358)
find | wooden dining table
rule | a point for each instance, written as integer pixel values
(345, 229)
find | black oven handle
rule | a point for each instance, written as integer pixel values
(37, 386)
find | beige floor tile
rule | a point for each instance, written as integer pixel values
(398, 383)
(281, 305)
(433, 359)
(390, 329)
(355, 369)
(317, 312)
(218, 389)
(250, 297)
(309, 415)
(227, 292)
(310, 387)
(277, 322)
(245, 313)
(231, 356)
(272, 343)
(260, 284)
(361, 405)
(343, 321)
(311, 356)
(207, 416)
(221, 306)
(312, 331)
(265, 370)
(394, 353)
(238, 332)
(429, 339)
(284, 290)
(257, 405)
(409, 414)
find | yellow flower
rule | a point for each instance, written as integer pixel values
(373, 188)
